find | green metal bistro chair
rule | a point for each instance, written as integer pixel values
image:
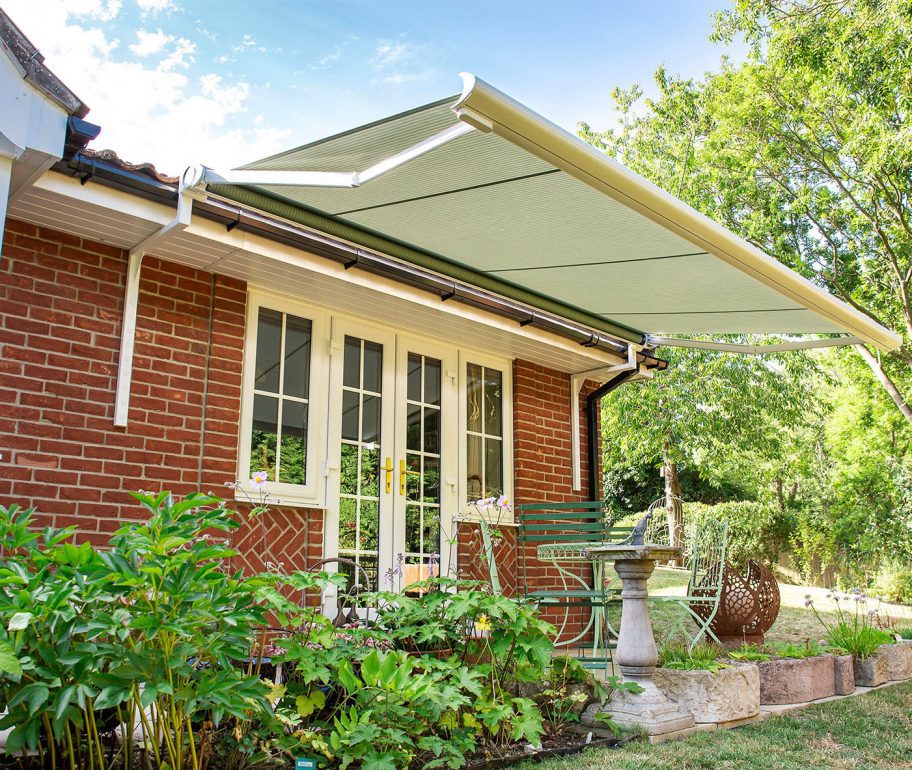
(560, 534)
(705, 550)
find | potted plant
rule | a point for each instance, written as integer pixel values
(714, 691)
(798, 673)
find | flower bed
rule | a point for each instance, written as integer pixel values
(728, 694)
(797, 680)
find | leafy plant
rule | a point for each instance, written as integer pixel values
(809, 649)
(678, 655)
(855, 632)
(905, 632)
(749, 652)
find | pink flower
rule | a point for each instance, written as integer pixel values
(258, 480)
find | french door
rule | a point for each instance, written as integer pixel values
(393, 454)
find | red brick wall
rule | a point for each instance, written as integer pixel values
(61, 302)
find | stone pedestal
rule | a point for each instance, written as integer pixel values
(636, 653)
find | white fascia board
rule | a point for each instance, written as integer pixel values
(6, 172)
(484, 107)
(28, 118)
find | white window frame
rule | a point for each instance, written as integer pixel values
(313, 493)
(505, 366)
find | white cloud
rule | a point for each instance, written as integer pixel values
(402, 78)
(155, 6)
(155, 104)
(150, 42)
(388, 53)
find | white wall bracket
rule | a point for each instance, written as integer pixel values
(576, 385)
(131, 293)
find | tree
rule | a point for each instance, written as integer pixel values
(716, 411)
(805, 150)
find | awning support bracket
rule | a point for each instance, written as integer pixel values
(131, 295)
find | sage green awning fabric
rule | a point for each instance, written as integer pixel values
(492, 204)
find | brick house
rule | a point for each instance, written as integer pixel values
(389, 323)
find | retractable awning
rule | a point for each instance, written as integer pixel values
(482, 189)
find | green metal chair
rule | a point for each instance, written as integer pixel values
(560, 535)
(705, 550)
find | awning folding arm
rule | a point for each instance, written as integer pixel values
(753, 350)
(131, 293)
(341, 179)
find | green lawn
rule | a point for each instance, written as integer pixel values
(869, 731)
(795, 623)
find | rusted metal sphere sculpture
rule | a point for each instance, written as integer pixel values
(748, 605)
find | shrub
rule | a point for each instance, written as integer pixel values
(755, 530)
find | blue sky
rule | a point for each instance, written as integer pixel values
(225, 82)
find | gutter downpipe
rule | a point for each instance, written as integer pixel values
(592, 402)
(630, 367)
(131, 293)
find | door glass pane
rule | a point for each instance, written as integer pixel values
(432, 381)
(370, 423)
(360, 452)
(293, 455)
(493, 468)
(373, 365)
(431, 430)
(431, 480)
(474, 468)
(413, 427)
(413, 529)
(351, 415)
(351, 375)
(297, 357)
(413, 388)
(264, 434)
(269, 342)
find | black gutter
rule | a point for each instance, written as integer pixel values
(592, 404)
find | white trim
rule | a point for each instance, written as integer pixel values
(484, 107)
(312, 494)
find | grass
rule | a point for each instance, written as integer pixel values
(796, 623)
(871, 731)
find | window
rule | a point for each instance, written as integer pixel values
(279, 425)
(487, 464)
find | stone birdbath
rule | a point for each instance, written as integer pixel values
(636, 653)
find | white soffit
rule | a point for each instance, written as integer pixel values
(524, 201)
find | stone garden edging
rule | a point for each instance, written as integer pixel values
(802, 680)
(731, 694)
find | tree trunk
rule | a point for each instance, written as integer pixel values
(884, 379)
(673, 508)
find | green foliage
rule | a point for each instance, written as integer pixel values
(904, 632)
(894, 583)
(758, 531)
(853, 630)
(749, 652)
(678, 655)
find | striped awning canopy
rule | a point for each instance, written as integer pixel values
(480, 186)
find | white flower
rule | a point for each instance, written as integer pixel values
(259, 479)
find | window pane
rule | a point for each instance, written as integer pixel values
(493, 467)
(297, 357)
(431, 540)
(493, 403)
(293, 458)
(432, 381)
(269, 341)
(413, 428)
(413, 528)
(373, 367)
(413, 390)
(370, 472)
(348, 483)
(413, 477)
(474, 392)
(370, 520)
(431, 480)
(263, 435)
(351, 370)
(431, 430)
(348, 524)
(350, 415)
(474, 469)
(370, 427)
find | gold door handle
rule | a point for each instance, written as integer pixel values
(388, 469)
(403, 472)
